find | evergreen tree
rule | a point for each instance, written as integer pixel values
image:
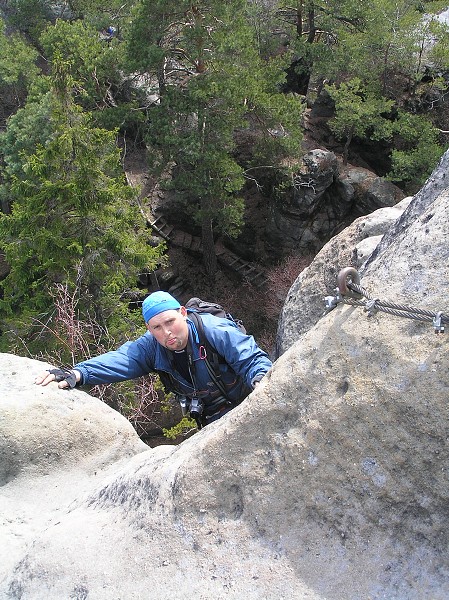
(31, 16)
(310, 31)
(416, 150)
(17, 62)
(92, 65)
(73, 220)
(385, 44)
(357, 113)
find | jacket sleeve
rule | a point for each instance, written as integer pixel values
(240, 351)
(131, 360)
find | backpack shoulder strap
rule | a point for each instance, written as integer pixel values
(211, 352)
(212, 357)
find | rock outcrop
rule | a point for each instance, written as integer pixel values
(329, 482)
(323, 197)
(320, 199)
(357, 245)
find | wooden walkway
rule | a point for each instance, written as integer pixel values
(244, 269)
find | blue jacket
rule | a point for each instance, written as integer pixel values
(244, 363)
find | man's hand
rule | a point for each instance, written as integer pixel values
(67, 378)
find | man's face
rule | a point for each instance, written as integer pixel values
(170, 328)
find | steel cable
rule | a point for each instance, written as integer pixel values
(351, 292)
(395, 309)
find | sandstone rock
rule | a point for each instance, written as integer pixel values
(369, 191)
(437, 183)
(304, 304)
(53, 446)
(364, 249)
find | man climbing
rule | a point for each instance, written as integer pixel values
(209, 364)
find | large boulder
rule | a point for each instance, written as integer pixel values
(53, 447)
(304, 304)
(367, 191)
(328, 482)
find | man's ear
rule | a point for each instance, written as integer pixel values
(183, 311)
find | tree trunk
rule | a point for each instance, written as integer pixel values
(209, 256)
(312, 28)
(347, 144)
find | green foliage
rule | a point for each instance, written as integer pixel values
(30, 16)
(100, 13)
(359, 113)
(71, 207)
(17, 59)
(390, 52)
(27, 128)
(417, 150)
(99, 81)
(185, 426)
(277, 119)
(212, 82)
(126, 117)
(382, 45)
(262, 20)
(92, 64)
(385, 44)
(438, 54)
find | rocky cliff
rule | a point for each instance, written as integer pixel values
(329, 482)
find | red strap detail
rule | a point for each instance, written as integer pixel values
(203, 353)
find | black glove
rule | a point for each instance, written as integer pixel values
(64, 375)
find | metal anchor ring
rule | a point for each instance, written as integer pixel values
(348, 274)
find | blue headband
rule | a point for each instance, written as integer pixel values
(156, 303)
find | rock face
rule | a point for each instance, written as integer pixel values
(329, 482)
(304, 304)
(322, 198)
(357, 246)
(53, 447)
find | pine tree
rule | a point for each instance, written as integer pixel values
(211, 81)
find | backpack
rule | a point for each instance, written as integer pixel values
(203, 306)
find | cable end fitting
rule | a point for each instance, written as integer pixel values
(371, 308)
(438, 322)
(331, 302)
